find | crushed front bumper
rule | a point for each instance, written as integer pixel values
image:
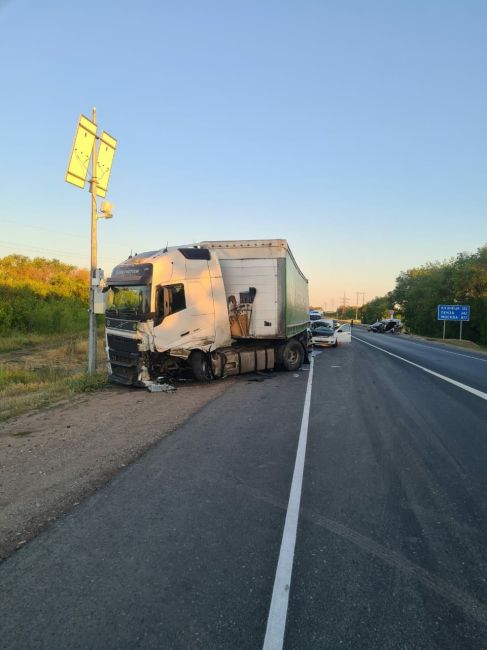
(124, 360)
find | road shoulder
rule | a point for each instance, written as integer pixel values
(53, 458)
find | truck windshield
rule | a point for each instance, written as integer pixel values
(128, 301)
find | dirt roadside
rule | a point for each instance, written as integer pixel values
(51, 459)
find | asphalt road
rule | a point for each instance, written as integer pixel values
(462, 365)
(180, 549)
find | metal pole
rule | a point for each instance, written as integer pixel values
(356, 305)
(93, 263)
(444, 328)
(461, 323)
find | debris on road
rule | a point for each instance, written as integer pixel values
(161, 388)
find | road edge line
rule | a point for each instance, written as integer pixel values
(276, 620)
(458, 384)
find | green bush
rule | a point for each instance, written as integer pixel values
(42, 296)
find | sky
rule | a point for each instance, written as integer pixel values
(355, 130)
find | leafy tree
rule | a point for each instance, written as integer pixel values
(377, 308)
(460, 280)
(40, 295)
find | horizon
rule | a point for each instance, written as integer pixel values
(356, 133)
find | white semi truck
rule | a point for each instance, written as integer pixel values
(217, 308)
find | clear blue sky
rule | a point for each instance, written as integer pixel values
(355, 129)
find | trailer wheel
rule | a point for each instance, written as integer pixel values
(200, 366)
(292, 355)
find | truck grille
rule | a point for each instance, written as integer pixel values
(123, 375)
(122, 344)
(119, 324)
(124, 359)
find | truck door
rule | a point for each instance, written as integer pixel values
(185, 313)
(171, 314)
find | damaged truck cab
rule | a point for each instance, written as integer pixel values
(216, 309)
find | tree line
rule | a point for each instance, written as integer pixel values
(42, 296)
(48, 296)
(418, 292)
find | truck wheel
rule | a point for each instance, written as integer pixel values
(200, 366)
(292, 355)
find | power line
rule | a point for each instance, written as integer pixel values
(37, 228)
(56, 232)
(41, 249)
(50, 251)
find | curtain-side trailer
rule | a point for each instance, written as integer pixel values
(219, 308)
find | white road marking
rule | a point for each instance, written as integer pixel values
(438, 349)
(458, 354)
(458, 384)
(276, 621)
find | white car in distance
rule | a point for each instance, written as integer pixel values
(322, 335)
(314, 315)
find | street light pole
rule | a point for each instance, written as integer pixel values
(83, 151)
(94, 212)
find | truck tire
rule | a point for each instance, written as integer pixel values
(292, 355)
(200, 366)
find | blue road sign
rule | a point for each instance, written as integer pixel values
(453, 312)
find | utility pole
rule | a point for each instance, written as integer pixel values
(345, 300)
(83, 151)
(357, 294)
(94, 216)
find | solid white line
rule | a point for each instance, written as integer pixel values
(276, 621)
(458, 384)
(438, 349)
(458, 354)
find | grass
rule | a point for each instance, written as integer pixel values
(23, 340)
(39, 375)
(20, 340)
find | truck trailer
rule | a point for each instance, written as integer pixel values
(216, 308)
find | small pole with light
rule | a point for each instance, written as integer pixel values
(85, 150)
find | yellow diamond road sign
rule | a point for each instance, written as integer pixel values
(106, 151)
(81, 153)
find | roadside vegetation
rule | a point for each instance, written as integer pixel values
(43, 334)
(42, 374)
(419, 291)
(40, 296)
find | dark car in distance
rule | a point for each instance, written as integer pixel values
(378, 326)
(392, 325)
